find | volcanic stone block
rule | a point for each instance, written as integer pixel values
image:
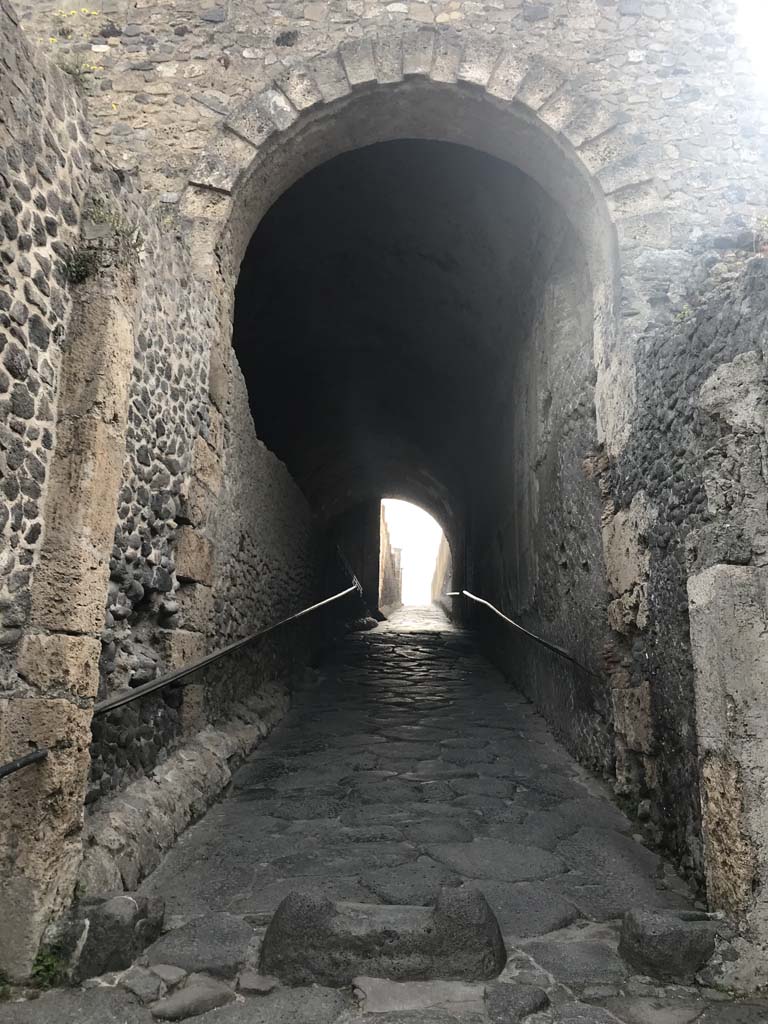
(310, 939)
(214, 944)
(510, 1004)
(670, 946)
(111, 933)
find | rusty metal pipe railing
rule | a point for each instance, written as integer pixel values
(177, 677)
(555, 648)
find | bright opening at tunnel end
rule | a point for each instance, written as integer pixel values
(417, 536)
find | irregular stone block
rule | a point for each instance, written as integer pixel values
(494, 858)
(194, 556)
(380, 995)
(61, 662)
(168, 974)
(579, 957)
(313, 1005)
(144, 984)
(670, 946)
(253, 983)
(116, 930)
(509, 1004)
(214, 944)
(311, 939)
(198, 996)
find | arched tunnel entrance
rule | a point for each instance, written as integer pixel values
(416, 318)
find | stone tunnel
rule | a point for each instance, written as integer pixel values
(260, 269)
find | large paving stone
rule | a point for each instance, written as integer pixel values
(266, 898)
(603, 856)
(310, 939)
(93, 1006)
(310, 1005)
(497, 859)
(668, 946)
(667, 1010)
(578, 957)
(198, 995)
(416, 884)
(352, 859)
(527, 909)
(297, 807)
(581, 1013)
(108, 934)
(510, 1004)
(425, 832)
(215, 944)
(379, 995)
(408, 1017)
(735, 1013)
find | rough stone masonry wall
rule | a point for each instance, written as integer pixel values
(166, 76)
(691, 494)
(213, 540)
(536, 547)
(44, 170)
(161, 76)
(105, 359)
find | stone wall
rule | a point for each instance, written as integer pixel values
(633, 329)
(390, 572)
(44, 172)
(535, 549)
(691, 494)
(125, 438)
(162, 76)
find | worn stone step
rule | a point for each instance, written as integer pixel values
(312, 940)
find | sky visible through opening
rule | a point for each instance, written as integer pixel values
(417, 535)
(753, 28)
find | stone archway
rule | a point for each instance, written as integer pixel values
(470, 91)
(467, 89)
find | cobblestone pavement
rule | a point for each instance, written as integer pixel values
(406, 765)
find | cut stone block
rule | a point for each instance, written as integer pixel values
(198, 995)
(107, 935)
(510, 1004)
(215, 944)
(670, 946)
(380, 995)
(311, 939)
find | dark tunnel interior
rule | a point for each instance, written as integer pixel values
(414, 319)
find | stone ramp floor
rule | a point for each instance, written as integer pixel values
(407, 764)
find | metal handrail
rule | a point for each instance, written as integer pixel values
(176, 677)
(21, 762)
(561, 651)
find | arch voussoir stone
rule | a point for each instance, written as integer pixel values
(220, 168)
(541, 82)
(300, 88)
(330, 77)
(619, 143)
(278, 108)
(631, 170)
(388, 58)
(481, 56)
(359, 61)
(590, 121)
(251, 123)
(508, 75)
(418, 53)
(448, 57)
